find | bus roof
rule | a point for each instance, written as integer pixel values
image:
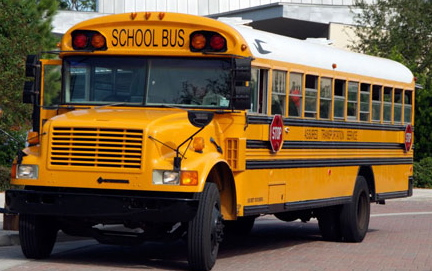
(276, 47)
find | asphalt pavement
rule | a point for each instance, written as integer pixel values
(11, 238)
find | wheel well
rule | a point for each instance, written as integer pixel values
(221, 175)
(367, 173)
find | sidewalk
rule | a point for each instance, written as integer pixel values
(11, 238)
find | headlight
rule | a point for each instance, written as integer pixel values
(175, 178)
(27, 172)
(171, 177)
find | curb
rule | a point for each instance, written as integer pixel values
(9, 238)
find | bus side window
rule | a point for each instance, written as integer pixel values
(339, 99)
(364, 101)
(408, 106)
(376, 103)
(259, 91)
(397, 100)
(311, 87)
(387, 104)
(278, 93)
(325, 98)
(295, 96)
(352, 107)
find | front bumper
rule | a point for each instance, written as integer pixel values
(101, 207)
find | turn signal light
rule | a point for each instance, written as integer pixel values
(198, 144)
(189, 178)
(33, 138)
(207, 41)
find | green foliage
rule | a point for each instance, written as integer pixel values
(25, 28)
(4, 178)
(423, 173)
(423, 118)
(401, 30)
(78, 5)
(11, 143)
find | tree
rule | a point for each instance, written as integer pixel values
(78, 5)
(25, 28)
(401, 30)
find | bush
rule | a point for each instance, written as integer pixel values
(423, 173)
(4, 178)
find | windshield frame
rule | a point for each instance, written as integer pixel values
(165, 72)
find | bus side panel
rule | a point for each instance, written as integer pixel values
(392, 178)
(264, 186)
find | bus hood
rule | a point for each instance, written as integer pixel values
(119, 118)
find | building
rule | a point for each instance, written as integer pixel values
(327, 21)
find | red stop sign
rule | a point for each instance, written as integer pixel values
(408, 137)
(276, 133)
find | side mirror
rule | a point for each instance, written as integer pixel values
(200, 119)
(242, 98)
(29, 93)
(31, 65)
(242, 69)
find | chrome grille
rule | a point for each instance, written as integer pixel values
(96, 147)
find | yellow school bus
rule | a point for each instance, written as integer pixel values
(178, 126)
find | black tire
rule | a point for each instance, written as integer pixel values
(205, 231)
(240, 227)
(37, 235)
(329, 223)
(355, 215)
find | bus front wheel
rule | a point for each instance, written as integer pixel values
(205, 231)
(37, 235)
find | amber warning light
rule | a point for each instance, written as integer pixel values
(88, 40)
(207, 41)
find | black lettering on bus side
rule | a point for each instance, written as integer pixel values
(123, 31)
(139, 38)
(172, 38)
(181, 41)
(115, 40)
(147, 37)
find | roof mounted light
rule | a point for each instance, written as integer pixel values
(207, 41)
(88, 40)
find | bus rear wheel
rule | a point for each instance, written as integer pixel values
(37, 235)
(205, 231)
(355, 216)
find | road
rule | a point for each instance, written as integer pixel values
(399, 238)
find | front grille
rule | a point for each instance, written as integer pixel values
(96, 147)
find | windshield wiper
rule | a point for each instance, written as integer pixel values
(111, 104)
(71, 107)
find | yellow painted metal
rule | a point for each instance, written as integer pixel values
(124, 143)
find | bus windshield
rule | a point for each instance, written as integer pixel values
(140, 81)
